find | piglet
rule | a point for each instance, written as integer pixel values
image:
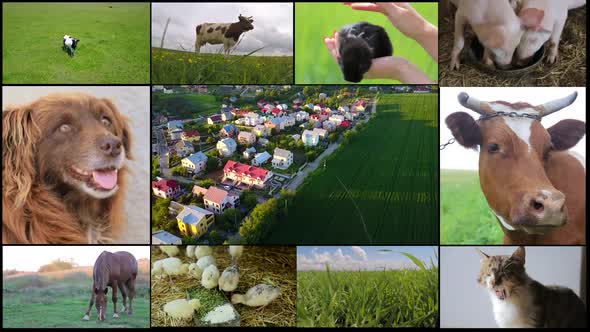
(497, 27)
(359, 44)
(553, 15)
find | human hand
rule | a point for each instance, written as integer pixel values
(389, 67)
(407, 20)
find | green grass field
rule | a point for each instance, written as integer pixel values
(185, 105)
(114, 45)
(394, 298)
(390, 170)
(60, 299)
(465, 217)
(180, 67)
(313, 21)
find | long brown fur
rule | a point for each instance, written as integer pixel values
(33, 213)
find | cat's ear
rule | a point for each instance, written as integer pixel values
(482, 254)
(519, 254)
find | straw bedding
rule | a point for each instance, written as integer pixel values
(274, 265)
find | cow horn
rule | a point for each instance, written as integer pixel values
(556, 105)
(470, 102)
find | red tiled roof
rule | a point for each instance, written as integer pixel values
(215, 195)
(276, 111)
(245, 170)
(345, 123)
(164, 184)
(191, 133)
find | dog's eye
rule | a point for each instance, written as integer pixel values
(64, 128)
(106, 121)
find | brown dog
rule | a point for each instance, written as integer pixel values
(63, 173)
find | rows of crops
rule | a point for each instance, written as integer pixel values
(394, 298)
(382, 187)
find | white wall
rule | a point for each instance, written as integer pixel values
(133, 101)
(464, 303)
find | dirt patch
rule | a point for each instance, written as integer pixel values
(569, 70)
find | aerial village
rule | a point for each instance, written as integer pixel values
(218, 151)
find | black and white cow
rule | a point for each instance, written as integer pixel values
(70, 44)
(222, 33)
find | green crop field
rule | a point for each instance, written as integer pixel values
(60, 299)
(390, 171)
(180, 67)
(114, 45)
(392, 298)
(186, 105)
(465, 217)
(314, 21)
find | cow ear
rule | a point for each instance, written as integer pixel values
(465, 130)
(566, 133)
(531, 18)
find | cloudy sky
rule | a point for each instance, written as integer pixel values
(31, 258)
(363, 257)
(455, 156)
(273, 25)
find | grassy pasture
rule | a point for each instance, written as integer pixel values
(390, 171)
(180, 67)
(389, 298)
(60, 299)
(465, 217)
(113, 49)
(314, 21)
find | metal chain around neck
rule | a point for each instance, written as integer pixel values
(510, 115)
(443, 146)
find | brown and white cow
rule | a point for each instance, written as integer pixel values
(534, 185)
(222, 33)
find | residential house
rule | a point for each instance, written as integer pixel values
(276, 112)
(358, 108)
(218, 200)
(227, 116)
(263, 141)
(226, 147)
(246, 138)
(274, 123)
(198, 190)
(175, 124)
(166, 188)
(287, 121)
(301, 116)
(336, 119)
(253, 119)
(282, 158)
(329, 125)
(246, 174)
(194, 221)
(344, 109)
(310, 138)
(322, 95)
(174, 208)
(261, 158)
(345, 124)
(195, 163)
(321, 132)
(296, 137)
(249, 152)
(260, 130)
(163, 237)
(175, 134)
(317, 108)
(191, 136)
(184, 148)
(214, 119)
(229, 130)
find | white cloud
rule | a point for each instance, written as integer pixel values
(359, 252)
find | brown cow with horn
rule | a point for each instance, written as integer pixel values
(534, 185)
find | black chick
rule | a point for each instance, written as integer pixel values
(359, 44)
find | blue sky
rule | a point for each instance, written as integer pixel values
(360, 257)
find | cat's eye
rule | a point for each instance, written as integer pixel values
(65, 128)
(493, 148)
(106, 121)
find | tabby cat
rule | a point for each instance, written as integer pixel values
(520, 301)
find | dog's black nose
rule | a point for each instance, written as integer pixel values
(110, 146)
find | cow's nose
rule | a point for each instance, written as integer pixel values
(548, 207)
(110, 146)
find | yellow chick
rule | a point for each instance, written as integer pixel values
(257, 296)
(228, 281)
(210, 277)
(171, 251)
(182, 308)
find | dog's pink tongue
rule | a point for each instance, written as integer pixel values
(105, 179)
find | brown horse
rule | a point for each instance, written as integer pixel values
(117, 269)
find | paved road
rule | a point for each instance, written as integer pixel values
(296, 182)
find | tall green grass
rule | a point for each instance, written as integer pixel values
(180, 67)
(394, 298)
(465, 216)
(313, 21)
